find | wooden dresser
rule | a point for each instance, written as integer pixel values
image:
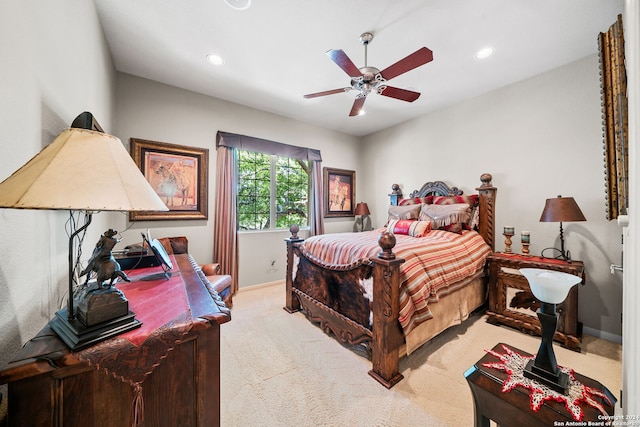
(50, 386)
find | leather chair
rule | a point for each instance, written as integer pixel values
(220, 282)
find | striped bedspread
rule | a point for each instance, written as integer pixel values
(435, 265)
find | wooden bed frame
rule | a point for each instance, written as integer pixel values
(385, 338)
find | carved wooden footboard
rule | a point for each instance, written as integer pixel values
(310, 295)
(310, 283)
(329, 295)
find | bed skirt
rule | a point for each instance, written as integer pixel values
(451, 310)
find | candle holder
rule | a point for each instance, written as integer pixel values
(507, 233)
(525, 239)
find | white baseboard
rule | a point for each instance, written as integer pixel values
(260, 285)
(602, 334)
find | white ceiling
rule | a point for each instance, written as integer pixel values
(274, 51)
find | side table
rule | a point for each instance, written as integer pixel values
(513, 408)
(512, 303)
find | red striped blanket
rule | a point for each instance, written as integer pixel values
(435, 265)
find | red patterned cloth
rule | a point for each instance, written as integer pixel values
(537, 258)
(514, 363)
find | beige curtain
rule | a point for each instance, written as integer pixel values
(225, 241)
(613, 78)
(316, 222)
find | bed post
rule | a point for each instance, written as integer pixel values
(486, 205)
(292, 304)
(387, 336)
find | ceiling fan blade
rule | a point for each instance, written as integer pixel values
(357, 105)
(416, 59)
(327, 92)
(397, 93)
(342, 60)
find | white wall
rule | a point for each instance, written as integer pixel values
(538, 138)
(158, 112)
(630, 331)
(55, 65)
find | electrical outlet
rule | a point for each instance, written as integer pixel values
(272, 267)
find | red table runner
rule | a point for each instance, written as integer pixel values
(513, 363)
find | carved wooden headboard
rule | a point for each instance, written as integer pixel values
(486, 202)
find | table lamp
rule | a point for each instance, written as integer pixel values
(561, 209)
(550, 288)
(363, 222)
(82, 171)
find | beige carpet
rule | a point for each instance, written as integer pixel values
(279, 369)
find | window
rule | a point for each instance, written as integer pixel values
(273, 191)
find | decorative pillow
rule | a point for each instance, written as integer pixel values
(446, 217)
(404, 212)
(471, 200)
(414, 201)
(409, 227)
(456, 227)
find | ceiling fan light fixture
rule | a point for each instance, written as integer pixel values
(484, 53)
(369, 79)
(215, 59)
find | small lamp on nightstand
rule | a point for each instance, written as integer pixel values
(561, 209)
(550, 288)
(363, 223)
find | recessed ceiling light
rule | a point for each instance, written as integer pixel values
(215, 59)
(484, 53)
(238, 4)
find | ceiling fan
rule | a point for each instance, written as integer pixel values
(368, 79)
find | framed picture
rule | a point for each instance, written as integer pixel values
(178, 174)
(339, 192)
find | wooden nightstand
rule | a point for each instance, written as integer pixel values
(512, 303)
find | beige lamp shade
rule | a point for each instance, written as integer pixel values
(81, 170)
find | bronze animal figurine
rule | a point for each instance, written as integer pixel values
(103, 263)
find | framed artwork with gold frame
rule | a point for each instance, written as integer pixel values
(339, 192)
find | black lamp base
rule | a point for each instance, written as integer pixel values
(559, 382)
(78, 336)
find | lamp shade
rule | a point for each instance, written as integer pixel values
(362, 209)
(80, 170)
(561, 209)
(549, 286)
